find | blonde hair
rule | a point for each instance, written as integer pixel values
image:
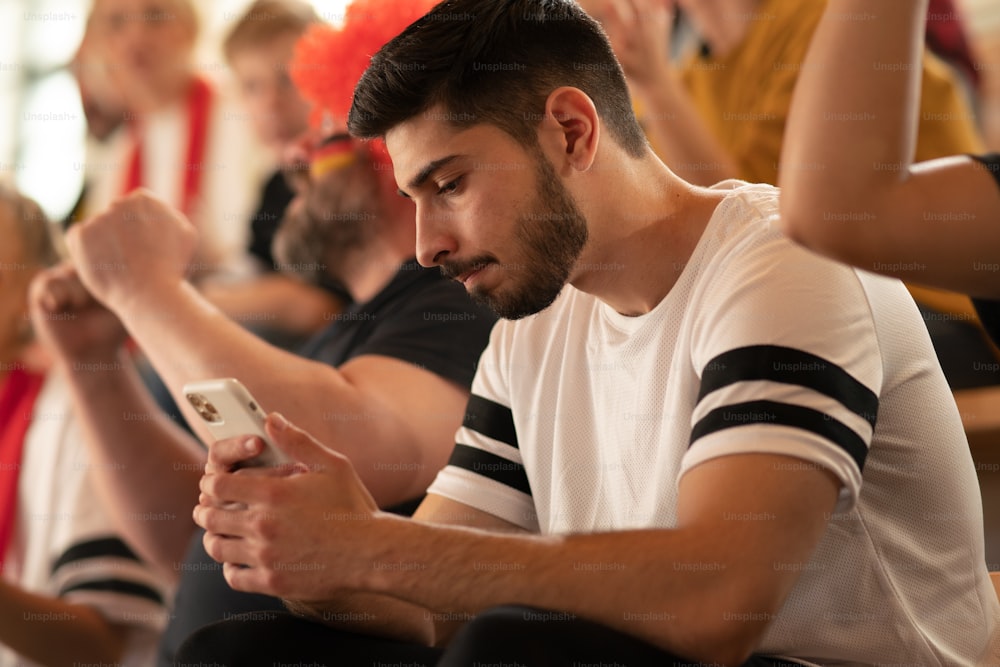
(266, 19)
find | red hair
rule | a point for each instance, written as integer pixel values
(328, 61)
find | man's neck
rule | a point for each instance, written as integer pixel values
(642, 238)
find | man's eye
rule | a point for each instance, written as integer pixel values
(449, 187)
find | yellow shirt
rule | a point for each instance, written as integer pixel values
(744, 97)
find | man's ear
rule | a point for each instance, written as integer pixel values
(571, 126)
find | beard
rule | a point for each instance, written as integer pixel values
(549, 239)
(333, 221)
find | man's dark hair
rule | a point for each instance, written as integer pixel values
(495, 62)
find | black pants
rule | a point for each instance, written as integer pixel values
(504, 636)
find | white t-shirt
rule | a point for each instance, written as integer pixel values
(64, 544)
(584, 420)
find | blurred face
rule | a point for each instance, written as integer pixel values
(15, 277)
(147, 44)
(491, 213)
(335, 214)
(277, 111)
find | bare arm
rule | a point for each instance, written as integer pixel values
(386, 616)
(849, 187)
(722, 568)
(274, 300)
(394, 420)
(362, 611)
(29, 622)
(146, 466)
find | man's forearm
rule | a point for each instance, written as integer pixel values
(283, 302)
(188, 339)
(147, 468)
(615, 579)
(51, 631)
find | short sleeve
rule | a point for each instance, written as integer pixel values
(786, 351)
(438, 328)
(486, 470)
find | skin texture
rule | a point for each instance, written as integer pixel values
(933, 223)
(129, 276)
(644, 219)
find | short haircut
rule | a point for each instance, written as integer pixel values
(265, 20)
(495, 62)
(33, 228)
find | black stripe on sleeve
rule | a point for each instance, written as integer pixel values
(491, 466)
(783, 414)
(789, 366)
(116, 586)
(491, 419)
(108, 547)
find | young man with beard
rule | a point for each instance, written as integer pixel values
(671, 455)
(385, 382)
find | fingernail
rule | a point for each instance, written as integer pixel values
(249, 445)
(280, 423)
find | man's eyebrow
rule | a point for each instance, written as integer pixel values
(429, 170)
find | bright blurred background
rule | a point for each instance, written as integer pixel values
(40, 112)
(39, 37)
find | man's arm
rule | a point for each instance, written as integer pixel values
(387, 616)
(274, 300)
(146, 466)
(364, 612)
(393, 419)
(29, 622)
(706, 589)
(849, 187)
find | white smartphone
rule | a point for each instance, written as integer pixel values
(228, 410)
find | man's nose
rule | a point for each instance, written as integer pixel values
(435, 238)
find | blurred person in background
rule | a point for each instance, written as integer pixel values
(721, 113)
(182, 139)
(71, 591)
(386, 381)
(104, 112)
(259, 48)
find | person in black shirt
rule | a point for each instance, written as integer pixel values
(386, 381)
(850, 189)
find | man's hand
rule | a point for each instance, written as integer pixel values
(297, 530)
(69, 321)
(126, 253)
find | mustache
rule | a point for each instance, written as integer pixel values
(457, 268)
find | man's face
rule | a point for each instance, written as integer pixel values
(490, 212)
(278, 112)
(333, 217)
(146, 42)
